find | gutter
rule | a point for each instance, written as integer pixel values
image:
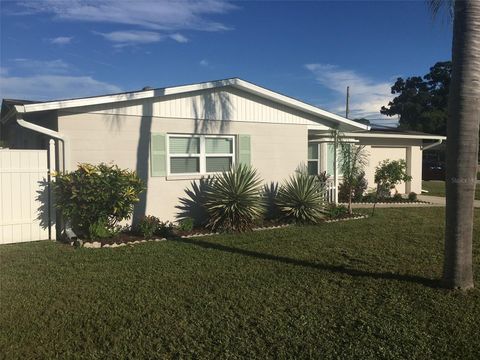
(429, 146)
(42, 130)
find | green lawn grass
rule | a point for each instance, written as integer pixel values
(437, 188)
(363, 289)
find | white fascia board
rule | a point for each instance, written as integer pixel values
(146, 94)
(396, 136)
(106, 99)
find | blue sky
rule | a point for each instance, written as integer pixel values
(309, 50)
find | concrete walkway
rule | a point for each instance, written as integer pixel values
(440, 201)
(433, 201)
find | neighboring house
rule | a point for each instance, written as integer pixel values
(174, 135)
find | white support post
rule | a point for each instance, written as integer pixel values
(335, 172)
(50, 179)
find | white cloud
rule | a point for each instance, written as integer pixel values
(61, 40)
(178, 38)
(152, 14)
(366, 95)
(132, 37)
(49, 87)
(204, 62)
(42, 66)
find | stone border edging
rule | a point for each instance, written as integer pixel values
(390, 203)
(356, 217)
(98, 245)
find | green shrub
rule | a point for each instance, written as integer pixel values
(335, 211)
(192, 206)
(398, 197)
(148, 226)
(369, 197)
(185, 224)
(390, 173)
(412, 196)
(269, 196)
(300, 198)
(165, 229)
(233, 201)
(96, 194)
(358, 187)
(100, 230)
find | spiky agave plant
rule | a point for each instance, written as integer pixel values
(233, 201)
(301, 199)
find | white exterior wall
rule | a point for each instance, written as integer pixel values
(276, 150)
(227, 103)
(395, 149)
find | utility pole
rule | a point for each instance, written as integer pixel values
(347, 110)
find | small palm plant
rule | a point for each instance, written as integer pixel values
(233, 202)
(301, 198)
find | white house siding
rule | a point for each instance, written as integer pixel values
(395, 149)
(214, 104)
(276, 149)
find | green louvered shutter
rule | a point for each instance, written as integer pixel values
(158, 155)
(244, 156)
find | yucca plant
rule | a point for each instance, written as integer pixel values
(233, 201)
(301, 199)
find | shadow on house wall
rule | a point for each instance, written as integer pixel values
(211, 115)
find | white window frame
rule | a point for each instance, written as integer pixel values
(317, 159)
(202, 155)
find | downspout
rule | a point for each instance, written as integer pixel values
(42, 130)
(65, 149)
(436, 143)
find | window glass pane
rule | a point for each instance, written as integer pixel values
(182, 165)
(184, 145)
(330, 152)
(218, 146)
(218, 163)
(313, 168)
(313, 151)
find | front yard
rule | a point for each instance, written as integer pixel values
(437, 188)
(355, 289)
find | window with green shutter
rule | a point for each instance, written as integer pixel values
(199, 154)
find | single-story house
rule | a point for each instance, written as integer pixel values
(174, 135)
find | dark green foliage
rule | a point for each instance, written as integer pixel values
(269, 195)
(422, 103)
(398, 197)
(148, 226)
(193, 205)
(233, 201)
(101, 230)
(361, 289)
(390, 173)
(165, 229)
(359, 187)
(96, 195)
(300, 199)
(336, 211)
(412, 196)
(185, 224)
(369, 197)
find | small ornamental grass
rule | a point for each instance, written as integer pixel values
(301, 199)
(233, 201)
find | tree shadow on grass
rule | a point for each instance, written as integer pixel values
(432, 283)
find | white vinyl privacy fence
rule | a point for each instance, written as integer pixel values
(25, 208)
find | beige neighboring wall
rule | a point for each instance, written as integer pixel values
(276, 149)
(395, 149)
